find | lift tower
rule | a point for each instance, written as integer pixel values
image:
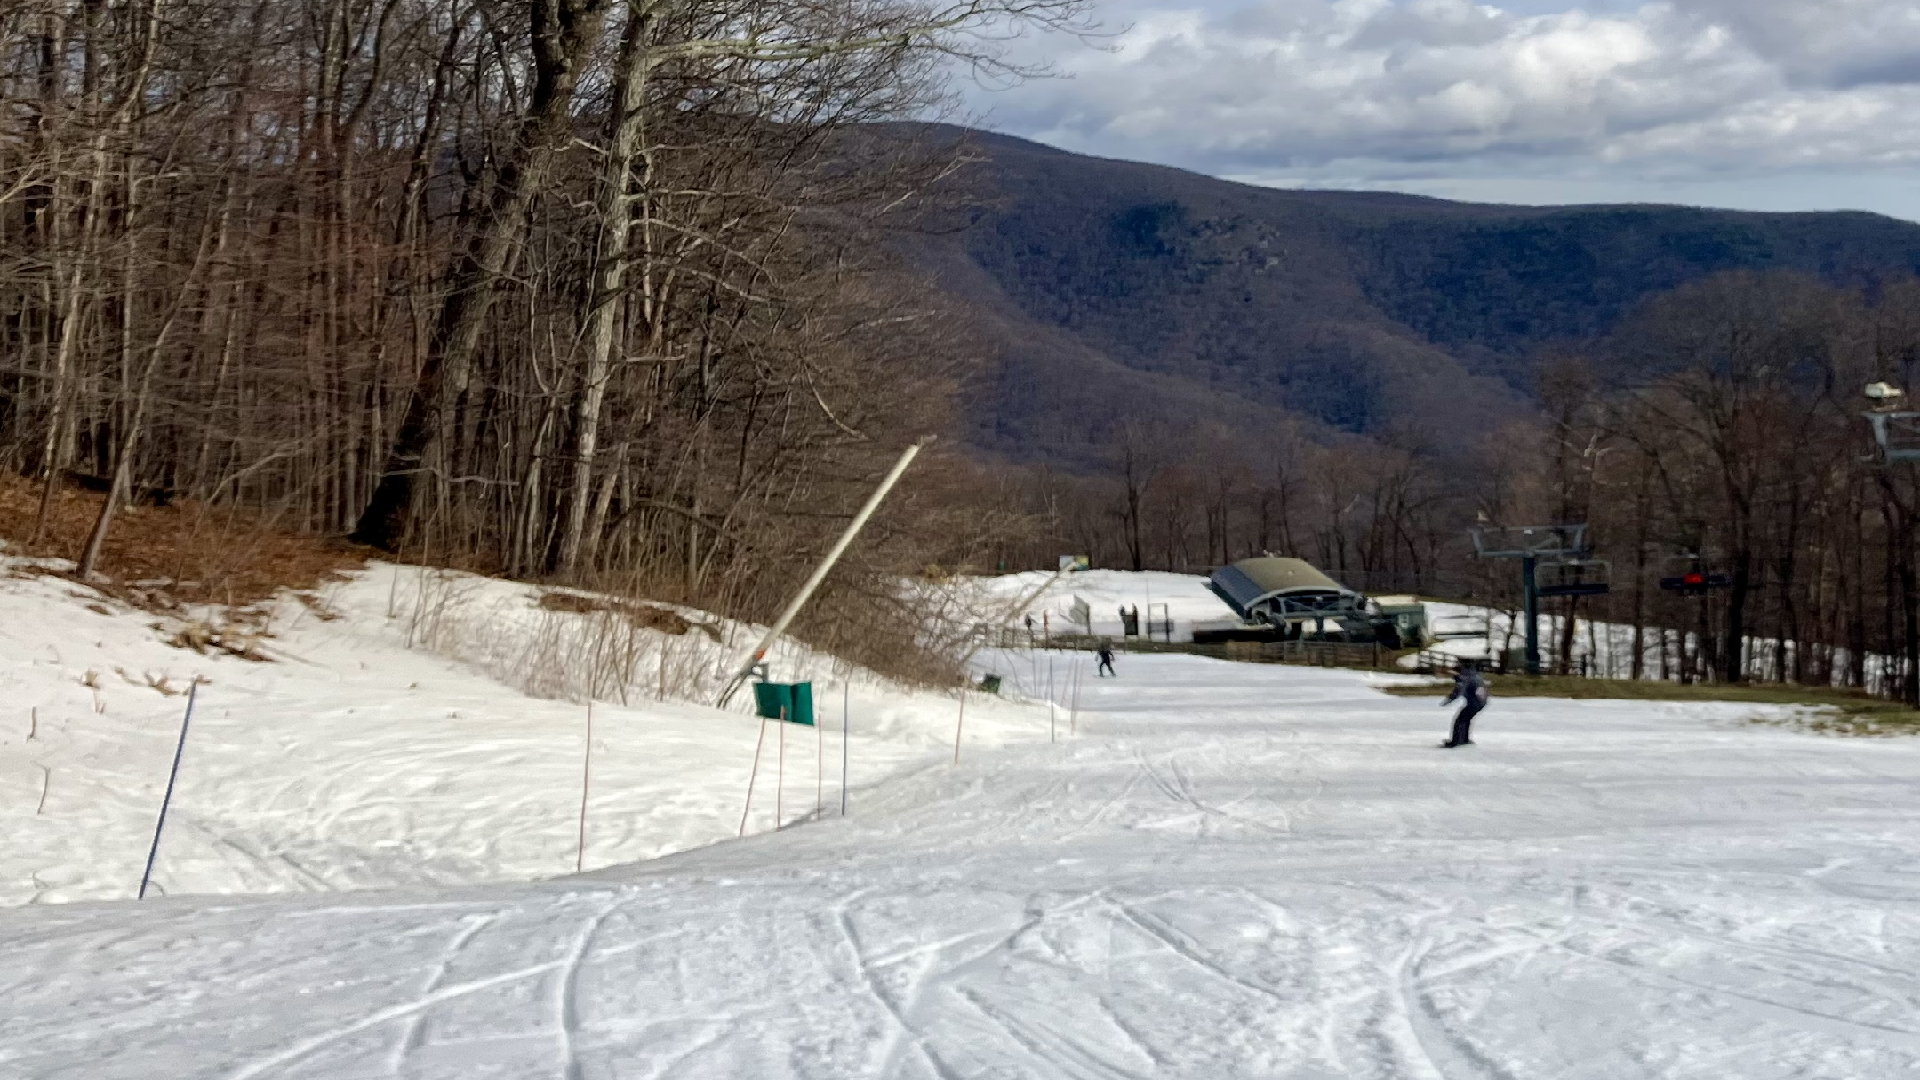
(1561, 546)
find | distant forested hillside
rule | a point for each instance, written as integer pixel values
(1113, 291)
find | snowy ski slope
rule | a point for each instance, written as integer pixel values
(1231, 871)
(415, 728)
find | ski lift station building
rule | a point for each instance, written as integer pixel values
(1283, 592)
(1295, 598)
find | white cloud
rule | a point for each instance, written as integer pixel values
(1823, 43)
(1427, 91)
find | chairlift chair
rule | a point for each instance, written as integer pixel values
(1547, 543)
(1584, 576)
(1897, 434)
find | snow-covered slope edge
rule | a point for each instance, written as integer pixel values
(412, 727)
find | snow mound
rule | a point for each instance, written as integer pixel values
(1049, 598)
(410, 727)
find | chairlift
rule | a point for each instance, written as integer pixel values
(1583, 576)
(1559, 543)
(1558, 549)
(1897, 434)
(1696, 582)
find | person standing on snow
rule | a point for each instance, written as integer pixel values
(1470, 687)
(1105, 656)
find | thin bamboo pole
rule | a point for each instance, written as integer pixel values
(166, 800)
(586, 779)
(1073, 711)
(754, 775)
(959, 726)
(1052, 724)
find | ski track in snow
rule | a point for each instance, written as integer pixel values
(1234, 871)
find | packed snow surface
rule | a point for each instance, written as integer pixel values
(1221, 871)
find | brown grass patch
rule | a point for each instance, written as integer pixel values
(161, 557)
(638, 613)
(1847, 712)
(204, 638)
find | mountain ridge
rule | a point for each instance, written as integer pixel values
(1112, 290)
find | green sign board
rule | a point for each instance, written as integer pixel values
(789, 701)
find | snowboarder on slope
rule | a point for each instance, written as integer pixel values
(1470, 687)
(1105, 656)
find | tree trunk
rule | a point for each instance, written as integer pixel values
(564, 33)
(123, 458)
(615, 217)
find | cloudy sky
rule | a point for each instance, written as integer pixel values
(1758, 104)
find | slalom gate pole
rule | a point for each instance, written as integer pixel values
(586, 779)
(819, 768)
(754, 775)
(846, 714)
(959, 726)
(1052, 725)
(780, 776)
(166, 800)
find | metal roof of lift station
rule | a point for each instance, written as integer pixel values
(1251, 586)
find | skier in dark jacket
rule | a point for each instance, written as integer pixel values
(1470, 688)
(1105, 656)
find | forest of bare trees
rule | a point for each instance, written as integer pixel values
(573, 288)
(1374, 514)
